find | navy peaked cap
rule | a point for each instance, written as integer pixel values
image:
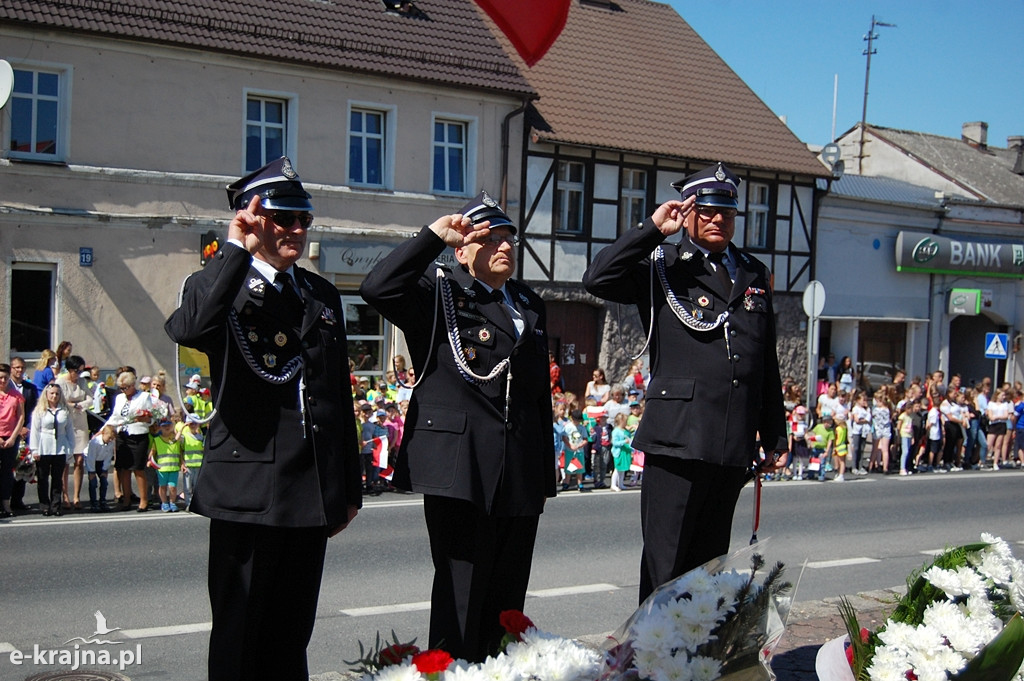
(277, 184)
(713, 186)
(482, 207)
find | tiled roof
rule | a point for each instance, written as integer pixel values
(451, 45)
(635, 77)
(883, 190)
(985, 172)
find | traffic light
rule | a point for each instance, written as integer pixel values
(208, 247)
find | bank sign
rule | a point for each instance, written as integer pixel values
(922, 252)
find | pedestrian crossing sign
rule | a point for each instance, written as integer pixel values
(995, 345)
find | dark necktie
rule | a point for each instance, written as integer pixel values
(721, 271)
(291, 297)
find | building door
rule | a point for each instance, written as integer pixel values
(967, 349)
(573, 337)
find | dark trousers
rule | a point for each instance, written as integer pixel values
(7, 458)
(481, 567)
(264, 583)
(686, 510)
(50, 480)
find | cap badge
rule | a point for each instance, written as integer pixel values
(270, 360)
(253, 336)
(484, 335)
(703, 301)
(720, 173)
(489, 202)
(280, 339)
(287, 170)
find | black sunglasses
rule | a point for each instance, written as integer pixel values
(287, 218)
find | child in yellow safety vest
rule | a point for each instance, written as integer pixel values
(165, 451)
(192, 447)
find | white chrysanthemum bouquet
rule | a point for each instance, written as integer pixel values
(719, 621)
(959, 621)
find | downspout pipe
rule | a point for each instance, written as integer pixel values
(506, 126)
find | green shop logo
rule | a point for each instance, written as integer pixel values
(925, 250)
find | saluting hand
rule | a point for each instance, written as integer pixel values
(247, 227)
(457, 230)
(670, 215)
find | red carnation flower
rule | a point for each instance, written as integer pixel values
(515, 622)
(395, 653)
(431, 661)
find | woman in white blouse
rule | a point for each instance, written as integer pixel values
(53, 442)
(79, 401)
(998, 412)
(131, 416)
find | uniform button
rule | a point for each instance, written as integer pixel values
(736, 358)
(430, 422)
(236, 455)
(735, 383)
(664, 392)
(508, 426)
(732, 332)
(316, 427)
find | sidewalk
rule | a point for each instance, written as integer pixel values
(811, 623)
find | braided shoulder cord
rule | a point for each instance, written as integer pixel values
(288, 372)
(684, 315)
(452, 325)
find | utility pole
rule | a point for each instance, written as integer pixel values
(870, 37)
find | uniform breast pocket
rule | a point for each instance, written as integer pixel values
(670, 405)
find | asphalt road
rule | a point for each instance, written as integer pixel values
(146, 573)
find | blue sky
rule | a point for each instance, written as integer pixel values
(947, 61)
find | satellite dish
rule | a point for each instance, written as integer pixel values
(830, 153)
(6, 82)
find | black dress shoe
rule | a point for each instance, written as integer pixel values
(142, 509)
(6, 514)
(47, 513)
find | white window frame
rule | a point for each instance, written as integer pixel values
(630, 195)
(290, 126)
(756, 224)
(65, 77)
(379, 340)
(469, 127)
(389, 135)
(54, 269)
(564, 190)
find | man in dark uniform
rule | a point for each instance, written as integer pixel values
(281, 466)
(715, 381)
(478, 439)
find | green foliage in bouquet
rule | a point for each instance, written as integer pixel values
(383, 654)
(921, 593)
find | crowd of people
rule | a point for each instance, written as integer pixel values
(900, 429)
(71, 434)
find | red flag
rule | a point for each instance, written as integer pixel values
(531, 25)
(380, 451)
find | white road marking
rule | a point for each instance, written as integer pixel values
(99, 519)
(842, 562)
(386, 609)
(173, 630)
(572, 590)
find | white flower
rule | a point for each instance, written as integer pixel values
(498, 669)
(398, 672)
(694, 582)
(645, 662)
(705, 668)
(673, 669)
(655, 632)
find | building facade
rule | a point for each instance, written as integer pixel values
(127, 122)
